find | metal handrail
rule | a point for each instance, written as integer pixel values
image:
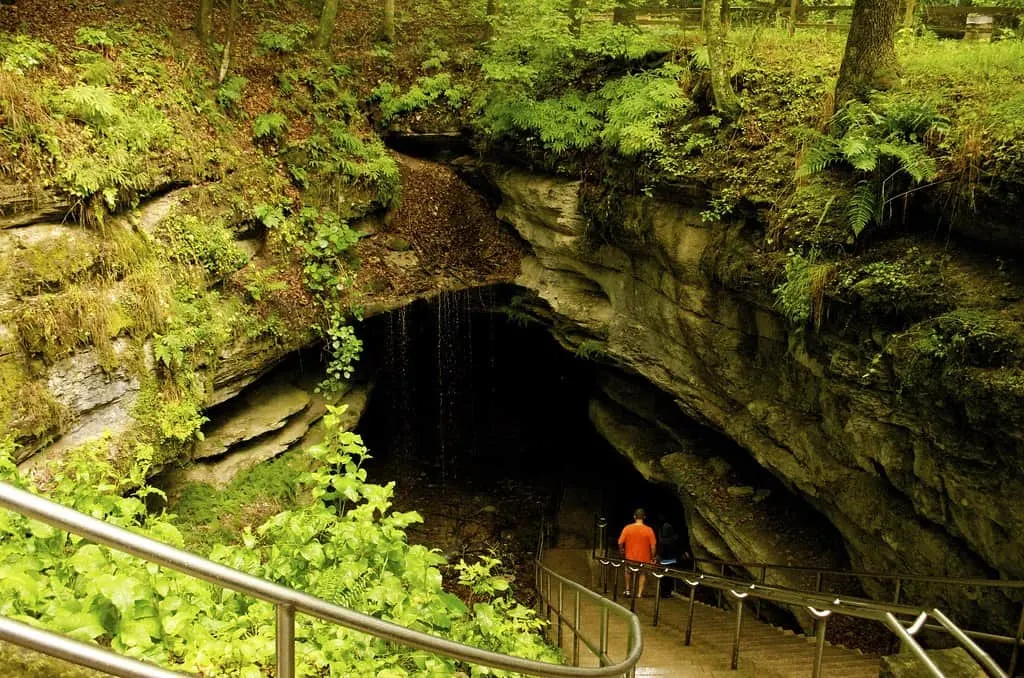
(545, 575)
(905, 621)
(928, 579)
(287, 601)
(1016, 640)
(599, 648)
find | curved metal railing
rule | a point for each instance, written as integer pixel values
(904, 621)
(551, 589)
(1016, 641)
(287, 602)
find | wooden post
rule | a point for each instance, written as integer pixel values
(793, 4)
(908, 17)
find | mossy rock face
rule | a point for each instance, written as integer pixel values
(16, 661)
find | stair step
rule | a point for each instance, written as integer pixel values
(766, 651)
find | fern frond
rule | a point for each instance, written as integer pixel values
(912, 159)
(822, 154)
(863, 207)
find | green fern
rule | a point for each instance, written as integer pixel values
(822, 154)
(864, 207)
(270, 126)
(912, 159)
(882, 143)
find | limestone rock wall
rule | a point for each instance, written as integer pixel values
(906, 486)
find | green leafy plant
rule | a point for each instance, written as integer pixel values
(206, 243)
(229, 94)
(346, 544)
(426, 91)
(881, 143)
(270, 126)
(96, 38)
(113, 161)
(801, 296)
(22, 53)
(343, 347)
(282, 38)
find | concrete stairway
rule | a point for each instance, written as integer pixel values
(765, 651)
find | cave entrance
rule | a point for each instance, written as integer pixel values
(478, 412)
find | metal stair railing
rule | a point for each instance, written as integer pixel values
(902, 620)
(1016, 640)
(545, 579)
(288, 602)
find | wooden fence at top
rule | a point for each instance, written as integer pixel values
(942, 20)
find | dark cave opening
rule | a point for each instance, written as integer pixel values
(470, 396)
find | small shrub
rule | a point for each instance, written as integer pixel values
(193, 241)
(879, 142)
(282, 38)
(22, 53)
(270, 126)
(95, 38)
(426, 91)
(801, 297)
(229, 94)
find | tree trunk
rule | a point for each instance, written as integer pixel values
(204, 22)
(869, 61)
(726, 101)
(575, 17)
(225, 61)
(908, 16)
(326, 28)
(389, 20)
(624, 15)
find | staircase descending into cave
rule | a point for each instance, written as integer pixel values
(766, 651)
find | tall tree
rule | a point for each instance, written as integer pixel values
(204, 22)
(726, 101)
(326, 28)
(225, 60)
(869, 61)
(389, 20)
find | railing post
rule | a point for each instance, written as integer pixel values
(657, 598)
(606, 570)
(735, 663)
(818, 582)
(757, 603)
(718, 592)
(561, 606)
(899, 590)
(576, 631)
(634, 581)
(615, 582)
(819, 648)
(547, 598)
(285, 641)
(1015, 656)
(604, 633)
(689, 616)
(600, 541)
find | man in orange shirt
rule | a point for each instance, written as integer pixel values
(637, 543)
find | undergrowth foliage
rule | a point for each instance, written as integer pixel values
(883, 144)
(612, 93)
(347, 545)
